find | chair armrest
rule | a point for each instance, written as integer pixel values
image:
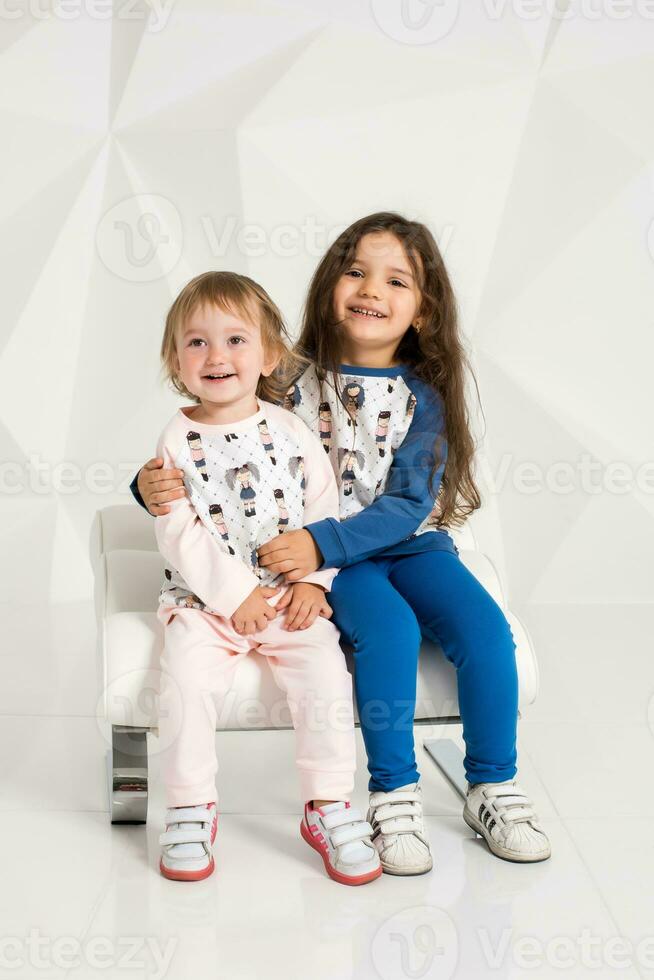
(121, 527)
(128, 581)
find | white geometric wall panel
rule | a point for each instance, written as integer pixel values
(138, 150)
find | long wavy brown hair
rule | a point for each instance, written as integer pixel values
(435, 353)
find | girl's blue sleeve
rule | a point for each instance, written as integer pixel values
(136, 493)
(406, 501)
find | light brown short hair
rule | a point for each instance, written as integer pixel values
(241, 296)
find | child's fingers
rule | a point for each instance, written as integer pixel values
(326, 611)
(285, 599)
(310, 619)
(162, 497)
(292, 613)
(297, 614)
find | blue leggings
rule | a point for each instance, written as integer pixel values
(383, 607)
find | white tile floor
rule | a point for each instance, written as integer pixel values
(81, 898)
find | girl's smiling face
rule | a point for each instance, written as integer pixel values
(220, 357)
(376, 299)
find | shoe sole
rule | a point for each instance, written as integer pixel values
(498, 850)
(331, 871)
(177, 874)
(174, 875)
(407, 871)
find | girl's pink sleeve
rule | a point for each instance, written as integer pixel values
(222, 581)
(321, 497)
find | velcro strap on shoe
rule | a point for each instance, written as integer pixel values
(350, 832)
(392, 810)
(337, 818)
(519, 814)
(502, 801)
(395, 797)
(188, 814)
(403, 825)
(497, 789)
(190, 835)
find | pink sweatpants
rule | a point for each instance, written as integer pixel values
(201, 652)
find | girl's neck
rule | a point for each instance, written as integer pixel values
(370, 359)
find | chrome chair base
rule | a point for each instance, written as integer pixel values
(127, 774)
(449, 758)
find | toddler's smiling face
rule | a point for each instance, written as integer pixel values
(220, 357)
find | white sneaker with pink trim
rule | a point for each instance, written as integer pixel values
(342, 838)
(186, 844)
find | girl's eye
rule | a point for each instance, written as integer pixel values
(354, 272)
(240, 340)
(195, 341)
(399, 283)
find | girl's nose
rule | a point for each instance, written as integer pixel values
(371, 290)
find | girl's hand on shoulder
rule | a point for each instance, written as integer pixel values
(293, 553)
(158, 486)
(305, 602)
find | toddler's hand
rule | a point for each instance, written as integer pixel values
(157, 486)
(304, 602)
(253, 614)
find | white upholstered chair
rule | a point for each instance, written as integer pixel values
(128, 575)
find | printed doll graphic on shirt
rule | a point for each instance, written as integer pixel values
(256, 567)
(411, 403)
(197, 454)
(295, 466)
(292, 398)
(353, 398)
(381, 432)
(282, 521)
(266, 440)
(325, 425)
(347, 460)
(244, 474)
(254, 560)
(184, 599)
(391, 386)
(229, 436)
(216, 514)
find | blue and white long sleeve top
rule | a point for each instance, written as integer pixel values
(382, 457)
